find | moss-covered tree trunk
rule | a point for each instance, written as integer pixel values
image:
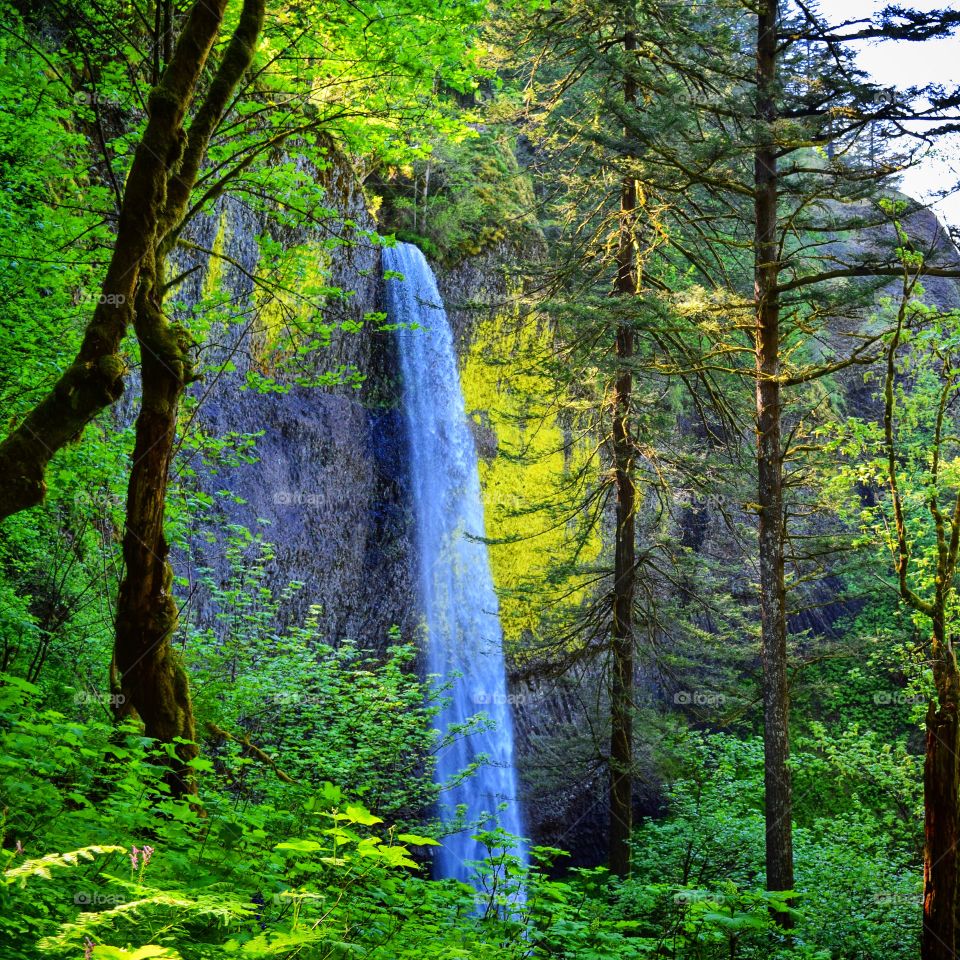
(146, 668)
(152, 679)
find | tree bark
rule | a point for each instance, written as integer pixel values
(941, 786)
(773, 654)
(152, 679)
(233, 65)
(622, 645)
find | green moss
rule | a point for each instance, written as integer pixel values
(290, 319)
(530, 457)
(214, 274)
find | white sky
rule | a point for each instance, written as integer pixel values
(907, 64)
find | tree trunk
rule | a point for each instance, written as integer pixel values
(622, 646)
(941, 785)
(773, 654)
(152, 679)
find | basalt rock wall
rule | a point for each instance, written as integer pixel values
(325, 487)
(328, 489)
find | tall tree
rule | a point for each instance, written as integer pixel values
(625, 547)
(751, 154)
(152, 681)
(604, 292)
(772, 226)
(778, 805)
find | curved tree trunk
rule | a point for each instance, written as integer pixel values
(152, 679)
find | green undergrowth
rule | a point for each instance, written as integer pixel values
(99, 861)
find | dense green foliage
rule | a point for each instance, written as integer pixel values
(477, 132)
(273, 869)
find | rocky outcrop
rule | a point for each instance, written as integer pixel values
(325, 487)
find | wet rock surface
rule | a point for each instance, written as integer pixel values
(326, 489)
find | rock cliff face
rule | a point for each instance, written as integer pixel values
(563, 778)
(326, 487)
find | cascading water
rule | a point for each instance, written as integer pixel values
(459, 603)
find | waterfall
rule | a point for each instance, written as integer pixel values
(456, 588)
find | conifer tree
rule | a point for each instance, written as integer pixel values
(773, 141)
(769, 154)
